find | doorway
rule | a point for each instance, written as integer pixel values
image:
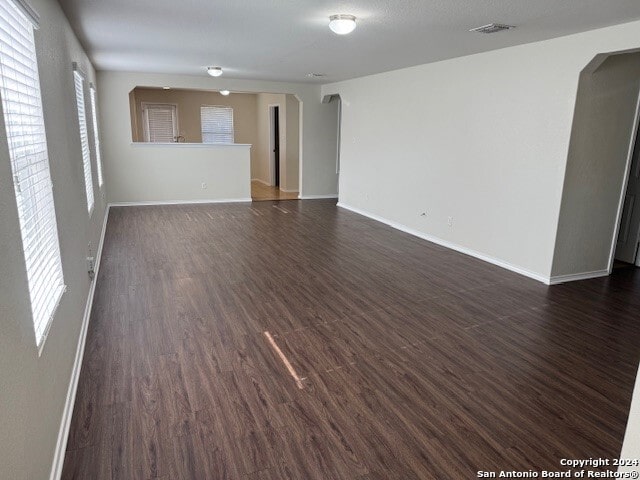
(274, 140)
(626, 250)
(276, 168)
(591, 228)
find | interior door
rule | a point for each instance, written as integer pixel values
(628, 236)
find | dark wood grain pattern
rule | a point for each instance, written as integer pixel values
(419, 362)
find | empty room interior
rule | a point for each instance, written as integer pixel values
(348, 240)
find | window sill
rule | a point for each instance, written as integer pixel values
(189, 145)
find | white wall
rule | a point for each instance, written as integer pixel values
(317, 159)
(483, 139)
(293, 144)
(327, 130)
(33, 389)
(631, 445)
(596, 167)
(175, 173)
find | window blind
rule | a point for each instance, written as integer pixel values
(84, 139)
(24, 123)
(217, 124)
(160, 123)
(96, 137)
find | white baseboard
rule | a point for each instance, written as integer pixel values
(447, 244)
(259, 180)
(555, 280)
(317, 197)
(67, 413)
(178, 202)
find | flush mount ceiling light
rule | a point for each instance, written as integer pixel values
(224, 92)
(342, 24)
(214, 71)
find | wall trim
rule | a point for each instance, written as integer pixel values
(317, 197)
(573, 277)
(447, 244)
(67, 412)
(178, 202)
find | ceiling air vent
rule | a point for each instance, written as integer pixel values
(492, 28)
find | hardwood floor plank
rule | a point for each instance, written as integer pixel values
(418, 362)
(88, 462)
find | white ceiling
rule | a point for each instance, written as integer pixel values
(286, 39)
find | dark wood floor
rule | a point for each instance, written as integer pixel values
(417, 362)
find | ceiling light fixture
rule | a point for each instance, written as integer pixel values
(214, 71)
(342, 24)
(224, 92)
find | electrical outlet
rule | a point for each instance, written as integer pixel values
(204, 185)
(450, 221)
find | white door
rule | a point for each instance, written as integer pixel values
(160, 122)
(627, 244)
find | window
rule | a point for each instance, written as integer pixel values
(96, 137)
(84, 138)
(159, 122)
(24, 123)
(217, 124)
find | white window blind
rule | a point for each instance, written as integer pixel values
(160, 124)
(84, 139)
(96, 137)
(24, 123)
(217, 124)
